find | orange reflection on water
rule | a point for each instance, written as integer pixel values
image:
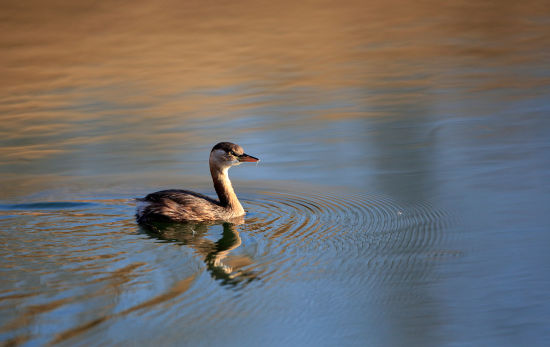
(134, 54)
(86, 81)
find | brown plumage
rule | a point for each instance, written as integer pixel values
(183, 205)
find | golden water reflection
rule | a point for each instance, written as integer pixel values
(92, 88)
(80, 73)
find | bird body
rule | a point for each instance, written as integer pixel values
(176, 205)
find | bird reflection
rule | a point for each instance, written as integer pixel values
(229, 270)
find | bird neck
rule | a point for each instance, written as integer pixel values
(225, 191)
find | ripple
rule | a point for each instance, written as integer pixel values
(69, 253)
(304, 232)
(47, 205)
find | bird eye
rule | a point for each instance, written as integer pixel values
(232, 153)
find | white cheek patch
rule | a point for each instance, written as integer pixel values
(219, 154)
(219, 158)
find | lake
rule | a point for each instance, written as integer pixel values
(402, 196)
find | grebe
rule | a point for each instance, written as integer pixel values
(182, 205)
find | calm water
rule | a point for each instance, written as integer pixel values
(402, 198)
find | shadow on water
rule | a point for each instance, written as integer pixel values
(229, 270)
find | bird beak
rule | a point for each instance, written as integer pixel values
(246, 157)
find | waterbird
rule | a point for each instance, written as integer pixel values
(175, 205)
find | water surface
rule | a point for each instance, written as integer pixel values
(401, 200)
